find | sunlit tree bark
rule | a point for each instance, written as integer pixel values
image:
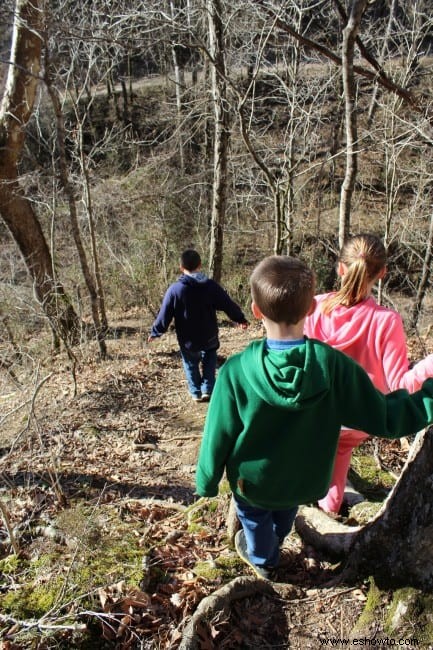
(349, 36)
(16, 210)
(221, 136)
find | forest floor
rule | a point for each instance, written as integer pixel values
(114, 549)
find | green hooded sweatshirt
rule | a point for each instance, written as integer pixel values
(275, 416)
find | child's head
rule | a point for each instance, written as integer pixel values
(362, 261)
(283, 288)
(190, 260)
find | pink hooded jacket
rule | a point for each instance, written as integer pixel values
(374, 337)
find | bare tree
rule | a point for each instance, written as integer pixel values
(349, 37)
(221, 135)
(383, 53)
(16, 210)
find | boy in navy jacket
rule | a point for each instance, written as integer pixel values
(192, 301)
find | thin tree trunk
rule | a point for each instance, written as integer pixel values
(373, 101)
(221, 137)
(207, 147)
(295, 58)
(178, 82)
(73, 216)
(349, 36)
(279, 222)
(425, 279)
(102, 321)
(178, 86)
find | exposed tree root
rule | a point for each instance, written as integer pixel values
(220, 600)
(232, 522)
(324, 533)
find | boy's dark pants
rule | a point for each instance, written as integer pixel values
(264, 530)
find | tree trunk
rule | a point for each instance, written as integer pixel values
(373, 102)
(396, 546)
(425, 279)
(16, 210)
(279, 222)
(349, 37)
(100, 328)
(221, 138)
(179, 83)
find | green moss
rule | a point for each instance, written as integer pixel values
(224, 568)
(195, 528)
(102, 550)
(31, 601)
(411, 609)
(207, 570)
(230, 564)
(372, 605)
(10, 564)
(224, 488)
(368, 478)
(114, 560)
(365, 511)
(202, 507)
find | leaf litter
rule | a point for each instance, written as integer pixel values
(124, 449)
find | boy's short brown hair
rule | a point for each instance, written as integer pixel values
(283, 288)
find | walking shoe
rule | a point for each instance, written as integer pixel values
(263, 572)
(197, 398)
(205, 397)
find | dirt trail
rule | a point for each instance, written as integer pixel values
(127, 443)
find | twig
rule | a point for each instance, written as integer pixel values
(74, 627)
(7, 522)
(182, 438)
(379, 462)
(32, 408)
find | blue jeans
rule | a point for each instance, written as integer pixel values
(264, 531)
(199, 382)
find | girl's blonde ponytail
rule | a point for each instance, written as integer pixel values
(364, 256)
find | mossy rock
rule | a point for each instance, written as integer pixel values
(364, 512)
(368, 478)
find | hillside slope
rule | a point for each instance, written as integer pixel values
(116, 551)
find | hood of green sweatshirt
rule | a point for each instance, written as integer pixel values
(295, 378)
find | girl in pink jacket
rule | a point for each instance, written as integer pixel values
(352, 321)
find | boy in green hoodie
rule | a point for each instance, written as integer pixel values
(276, 411)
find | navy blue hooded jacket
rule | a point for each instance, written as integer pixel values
(193, 301)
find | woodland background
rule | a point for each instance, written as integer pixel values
(128, 132)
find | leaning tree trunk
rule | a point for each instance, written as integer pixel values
(16, 210)
(349, 36)
(221, 137)
(396, 546)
